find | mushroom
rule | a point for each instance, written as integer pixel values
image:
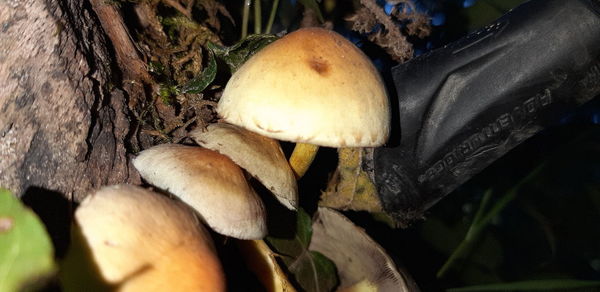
(261, 156)
(361, 263)
(209, 182)
(313, 87)
(132, 239)
(263, 262)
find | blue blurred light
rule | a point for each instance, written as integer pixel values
(405, 8)
(293, 2)
(596, 118)
(438, 19)
(422, 6)
(469, 3)
(379, 63)
(377, 27)
(565, 120)
(388, 8)
(352, 36)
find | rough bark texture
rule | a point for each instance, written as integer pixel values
(63, 120)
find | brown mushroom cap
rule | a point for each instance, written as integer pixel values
(209, 182)
(311, 86)
(259, 155)
(142, 241)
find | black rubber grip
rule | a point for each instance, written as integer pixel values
(463, 106)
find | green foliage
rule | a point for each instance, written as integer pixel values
(237, 54)
(535, 285)
(156, 68)
(482, 219)
(539, 223)
(233, 56)
(167, 92)
(174, 25)
(486, 11)
(205, 78)
(26, 253)
(311, 270)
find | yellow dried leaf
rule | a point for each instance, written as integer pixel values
(350, 188)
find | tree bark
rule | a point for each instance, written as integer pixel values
(64, 118)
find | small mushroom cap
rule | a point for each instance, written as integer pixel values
(311, 86)
(261, 156)
(142, 241)
(209, 182)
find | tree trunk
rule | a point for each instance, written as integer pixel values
(64, 117)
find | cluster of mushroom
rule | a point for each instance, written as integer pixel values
(311, 86)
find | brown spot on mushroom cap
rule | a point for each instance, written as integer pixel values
(319, 65)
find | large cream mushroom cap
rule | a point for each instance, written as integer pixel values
(261, 156)
(142, 241)
(210, 183)
(311, 86)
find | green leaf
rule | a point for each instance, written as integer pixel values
(313, 5)
(200, 82)
(26, 253)
(441, 236)
(534, 285)
(485, 12)
(156, 68)
(237, 54)
(311, 270)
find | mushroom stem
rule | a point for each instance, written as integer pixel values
(302, 158)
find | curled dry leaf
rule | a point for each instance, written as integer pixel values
(261, 156)
(209, 182)
(263, 262)
(213, 9)
(361, 263)
(390, 35)
(350, 187)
